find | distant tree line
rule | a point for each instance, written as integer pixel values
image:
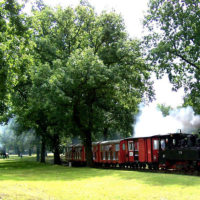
(19, 143)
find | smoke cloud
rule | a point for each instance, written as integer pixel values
(150, 121)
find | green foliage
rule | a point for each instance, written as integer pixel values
(83, 75)
(13, 55)
(164, 109)
(14, 140)
(174, 42)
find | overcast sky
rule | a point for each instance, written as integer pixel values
(131, 10)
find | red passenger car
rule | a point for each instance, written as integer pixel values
(75, 155)
(69, 153)
(148, 152)
(96, 152)
(140, 152)
(110, 152)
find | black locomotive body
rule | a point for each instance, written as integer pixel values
(181, 152)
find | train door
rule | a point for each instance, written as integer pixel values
(123, 151)
(149, 150)
(155, 144)
(130, 151)
(136, 150)
(102, 153)
(116, 152)
(142, 150)
(98, 151)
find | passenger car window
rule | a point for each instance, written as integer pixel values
(136, 146)
(162, 144)
(104, 155)
(94, 155)
(108, 155)
(155, 144)
(130, 145)
(117, 147)
(123, 147)
(114, 155)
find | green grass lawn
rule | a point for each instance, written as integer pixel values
(23, 178)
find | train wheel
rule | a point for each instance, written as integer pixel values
(155, 167)
(150, 166)
(144, 166)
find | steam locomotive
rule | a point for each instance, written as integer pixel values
(177, 151)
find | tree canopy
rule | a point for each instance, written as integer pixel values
(164, 109)
(78, 73)
(13, 39)
(173, 41)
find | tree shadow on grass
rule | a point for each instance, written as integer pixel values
(27, 170)
(158, 179)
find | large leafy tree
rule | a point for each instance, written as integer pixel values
(13, 39)
(16, 59)
(97, 72)
(174, 43)
(86, 75)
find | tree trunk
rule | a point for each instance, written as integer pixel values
(38, 148)
(43, 150)
(105, 133)
(57, 159)
(88, 149)
(30, 152)
(18, 152)
(85, 133)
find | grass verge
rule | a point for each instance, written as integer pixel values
(25, 179)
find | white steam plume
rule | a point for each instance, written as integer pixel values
(150, 121)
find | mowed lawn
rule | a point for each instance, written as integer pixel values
(23, 178)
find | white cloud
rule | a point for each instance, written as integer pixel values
(150, 121)
(165, 95)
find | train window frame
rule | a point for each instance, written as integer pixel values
(130, 145)
(156, 144)
(107, 147)
(116, 147)
(69, 149)
(114, 155)
(109, 156)
(163, 144)
(94, 153)
(102, 147)
(136, 146)
(104, 155)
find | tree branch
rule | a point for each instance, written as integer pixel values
(185, 59)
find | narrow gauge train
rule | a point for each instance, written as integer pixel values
(171, 151)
